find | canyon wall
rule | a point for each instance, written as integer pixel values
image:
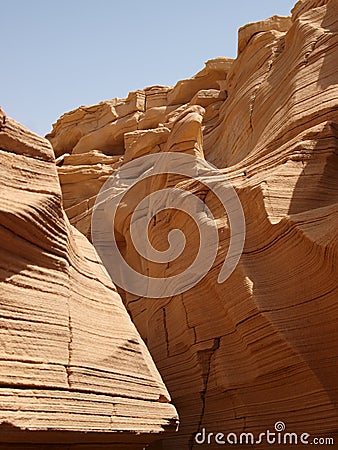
(73, 366)
(261, 347)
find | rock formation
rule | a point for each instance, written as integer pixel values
(262, 346)
(73, 367)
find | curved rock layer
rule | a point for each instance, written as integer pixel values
(73, 367)
(262, 346)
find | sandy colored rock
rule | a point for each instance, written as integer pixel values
(73, 367)
(262, 346)
(156, 96)
(139, 143)
(155, 116)
(302, 6)
(77, 123)
(208, 78)
(249, 31)
(207, 97)
(280, 85)
(82, 176)
(102, 126)
(109, 138)
(71, 127)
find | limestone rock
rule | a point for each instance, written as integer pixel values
(73, 367)
(262, 346)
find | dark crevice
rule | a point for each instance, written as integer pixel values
(187, 319)
(70, 349)
(205, 357)
(165, 329)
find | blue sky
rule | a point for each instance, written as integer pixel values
(58, 55)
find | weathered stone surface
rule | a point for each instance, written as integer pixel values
(280, 85)
(139, 143)
(73, 367)
(156, 96)
(71, 127)
(249, 31)
(262, 346)
(214, 70)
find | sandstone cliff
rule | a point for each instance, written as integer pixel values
(262, 346)
(73, 367)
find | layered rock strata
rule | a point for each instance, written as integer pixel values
(73, 367)
(262, 346)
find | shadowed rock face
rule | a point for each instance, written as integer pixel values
(262, 346)
(73, 367)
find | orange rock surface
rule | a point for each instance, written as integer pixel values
(261, 347)
(73, 367)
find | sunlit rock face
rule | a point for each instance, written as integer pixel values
(262, 346)
(73, 366)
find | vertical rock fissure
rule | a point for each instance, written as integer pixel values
(165, 329)
(70, 346)
(187, 319)
(209, 353)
